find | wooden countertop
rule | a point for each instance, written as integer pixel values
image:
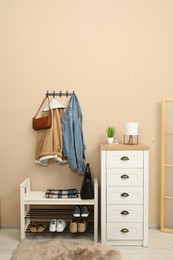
(109, 147)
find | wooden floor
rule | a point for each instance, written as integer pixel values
(160, 246)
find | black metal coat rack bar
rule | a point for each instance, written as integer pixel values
(60, 93)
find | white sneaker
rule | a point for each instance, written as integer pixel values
(60, 226)
(52, 225)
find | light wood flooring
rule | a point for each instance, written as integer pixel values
(160, 246)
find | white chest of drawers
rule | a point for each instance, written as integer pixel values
(124, 194)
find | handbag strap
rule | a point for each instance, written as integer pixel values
(42, 104)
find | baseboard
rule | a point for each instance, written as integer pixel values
(10, 226)
(153, 226)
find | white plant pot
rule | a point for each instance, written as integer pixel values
(110, 140)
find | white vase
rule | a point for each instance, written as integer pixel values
(110, 140)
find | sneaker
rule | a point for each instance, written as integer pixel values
(52, 225)
(85, 212)
(73, 226)
(81, 225)
(60, 225)
(76, 212)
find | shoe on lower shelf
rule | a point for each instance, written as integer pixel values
(33, 227)
(60, 225)
(85, 212)
(73, 226)
(41, 227)
(76, 212)
(52, 225)
(82, 224)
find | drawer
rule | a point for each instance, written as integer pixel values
(125, 195)
(125, 177)
(125, 213)
(125, 159)
(126, 231)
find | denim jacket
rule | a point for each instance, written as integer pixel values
(73, 144)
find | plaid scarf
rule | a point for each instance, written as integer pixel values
(65, 193)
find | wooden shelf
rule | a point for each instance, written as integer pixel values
(89, 230)
(58, 213)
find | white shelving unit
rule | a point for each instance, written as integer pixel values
(30, 198)
(124, 194)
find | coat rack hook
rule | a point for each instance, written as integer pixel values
(54, 93)
(47, 94)
(60, 93)
(67, 93)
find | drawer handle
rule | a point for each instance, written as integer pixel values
(124, 194)
(124, 212)
(124, 176)
(124, 230)
(124, 158)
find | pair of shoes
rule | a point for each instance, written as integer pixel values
(81, 212)
(57, 225)
(78, 226)
(37, 227)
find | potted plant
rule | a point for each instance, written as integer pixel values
(110, 134)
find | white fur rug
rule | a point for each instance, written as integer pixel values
(56, 249)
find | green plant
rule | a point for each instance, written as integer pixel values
(110, 131)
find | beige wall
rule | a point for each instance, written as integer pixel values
(118, 58)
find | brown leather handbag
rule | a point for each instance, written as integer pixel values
(44, 122)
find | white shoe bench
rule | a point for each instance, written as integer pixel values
(35, 207)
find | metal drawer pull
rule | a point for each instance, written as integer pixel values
(124, 158)
(124, 176)
(124, 230)
(124, 194)
(124, 212)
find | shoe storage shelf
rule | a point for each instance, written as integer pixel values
(36, 208)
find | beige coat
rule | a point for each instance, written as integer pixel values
(49, 141)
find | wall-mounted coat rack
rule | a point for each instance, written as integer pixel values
(60, 93)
